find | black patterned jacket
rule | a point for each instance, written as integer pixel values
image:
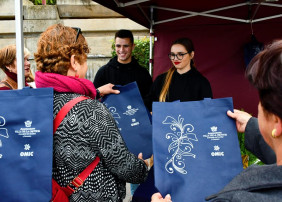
(87, 131)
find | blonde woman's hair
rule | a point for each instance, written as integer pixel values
(26, 53)
(8, 55)
(166, 84)
(188, 44)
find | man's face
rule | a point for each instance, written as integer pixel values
(124, 50)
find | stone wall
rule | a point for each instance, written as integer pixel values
(98, 25)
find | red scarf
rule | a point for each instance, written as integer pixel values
(62, 83)
(13, 76)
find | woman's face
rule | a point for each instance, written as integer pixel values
(265, 125)
(181, 65)
(13, 67)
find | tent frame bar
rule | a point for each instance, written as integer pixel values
(206, 13)
(129, 3)
(143, 12)
(192, 14)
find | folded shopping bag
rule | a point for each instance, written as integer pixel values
(132, 118)
(26, 144)
(196, 148)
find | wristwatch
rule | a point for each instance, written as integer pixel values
(98, 94)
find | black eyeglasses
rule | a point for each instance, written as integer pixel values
(78, 32)
(178, 55)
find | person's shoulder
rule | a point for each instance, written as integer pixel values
(141, 70)
(198, 74)
(111, 63)
(4, 87)
(91, 106)
(161, 76)
(136, 64)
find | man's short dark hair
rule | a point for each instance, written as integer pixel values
(124, 33)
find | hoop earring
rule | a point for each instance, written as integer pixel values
(273, 133)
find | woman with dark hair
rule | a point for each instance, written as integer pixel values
(88, 129)
(260, 183)
(8, 63)
(182, 81)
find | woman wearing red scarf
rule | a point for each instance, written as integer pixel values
(88, 130)
(8, 63)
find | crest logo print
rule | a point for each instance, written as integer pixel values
(130, 110)
(214, 129)
(28, 123)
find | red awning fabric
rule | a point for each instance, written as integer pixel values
(219, 30)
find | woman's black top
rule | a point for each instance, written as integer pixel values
(190, 86)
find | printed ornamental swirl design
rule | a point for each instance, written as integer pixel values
(181, 144)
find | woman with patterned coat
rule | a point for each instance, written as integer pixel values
(88, 130)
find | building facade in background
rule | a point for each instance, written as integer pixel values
(97, 23)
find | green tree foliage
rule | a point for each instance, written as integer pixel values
(39, 2)
(252, 159)
(141, 51)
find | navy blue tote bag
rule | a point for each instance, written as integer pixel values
(132, 118)
(196, 148)
(26, 145)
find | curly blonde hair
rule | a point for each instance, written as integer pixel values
(55, 47)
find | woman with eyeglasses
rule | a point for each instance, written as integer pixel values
(182, 81)
(8, 63)
(88, 130)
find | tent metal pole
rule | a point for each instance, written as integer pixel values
(129, 3)
(133, 2)
(19, 43)
(117, 3)
(151, 51)
(206, 13)
(273, 5)
(145, 15)
(151, 42)
(267, 18)
(192, 14)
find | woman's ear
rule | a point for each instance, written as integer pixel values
(8, 68)
(192, 54)
(73, 63)
(73, 66)
(278, 126)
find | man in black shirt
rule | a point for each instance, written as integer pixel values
(124, 68)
